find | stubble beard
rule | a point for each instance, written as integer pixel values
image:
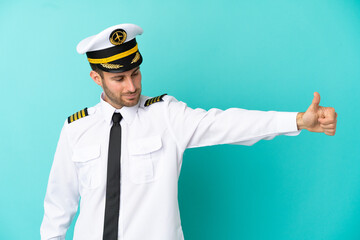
(117, 98)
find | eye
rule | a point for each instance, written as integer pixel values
(135, 73)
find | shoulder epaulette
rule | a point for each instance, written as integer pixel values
(78, 115)
(154, 100)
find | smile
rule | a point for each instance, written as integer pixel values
(131, 95)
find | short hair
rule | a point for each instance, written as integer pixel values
(97, 69)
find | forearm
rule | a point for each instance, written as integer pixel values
(240, 126)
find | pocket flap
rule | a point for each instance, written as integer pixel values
(145, 145)
(85, 154)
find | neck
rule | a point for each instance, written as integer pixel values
(106, 99)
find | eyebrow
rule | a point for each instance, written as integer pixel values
(121, 75)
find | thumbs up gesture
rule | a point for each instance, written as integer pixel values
(317, 118)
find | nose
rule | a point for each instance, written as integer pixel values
(130, 85)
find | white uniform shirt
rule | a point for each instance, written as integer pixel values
(154, 139)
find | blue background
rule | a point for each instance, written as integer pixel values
(253, 54)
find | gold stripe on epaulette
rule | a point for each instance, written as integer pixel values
(154, 100)
(78, 115)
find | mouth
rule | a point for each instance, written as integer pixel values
(131, 96)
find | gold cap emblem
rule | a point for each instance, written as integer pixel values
(117, 37)
(136, 58)
(111, 66)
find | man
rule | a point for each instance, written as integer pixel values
(123, 156)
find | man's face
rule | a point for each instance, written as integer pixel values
(121, 89)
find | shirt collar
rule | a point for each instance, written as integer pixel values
(128, 113)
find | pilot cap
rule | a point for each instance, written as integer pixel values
(114, 49)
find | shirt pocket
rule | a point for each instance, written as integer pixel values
(145, 159)
(87, 160)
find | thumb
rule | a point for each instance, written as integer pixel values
(315, 102)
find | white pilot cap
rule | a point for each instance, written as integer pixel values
(113, 49)
(102, 40)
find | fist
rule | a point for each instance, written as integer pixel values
(317, 118)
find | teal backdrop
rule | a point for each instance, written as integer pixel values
(253, 54)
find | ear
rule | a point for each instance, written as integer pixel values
(96, 77)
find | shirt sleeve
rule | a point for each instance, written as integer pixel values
(62, 196)
(197, 127)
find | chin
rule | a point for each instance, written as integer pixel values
(130, 103)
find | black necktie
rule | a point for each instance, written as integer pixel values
(112, 204)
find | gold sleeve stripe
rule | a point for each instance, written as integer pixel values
(72, 118)
(83, 113)
(113, 58)
(75, 117)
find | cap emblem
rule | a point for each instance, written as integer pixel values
(118, 36)
(136, 58)
(111, 66)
